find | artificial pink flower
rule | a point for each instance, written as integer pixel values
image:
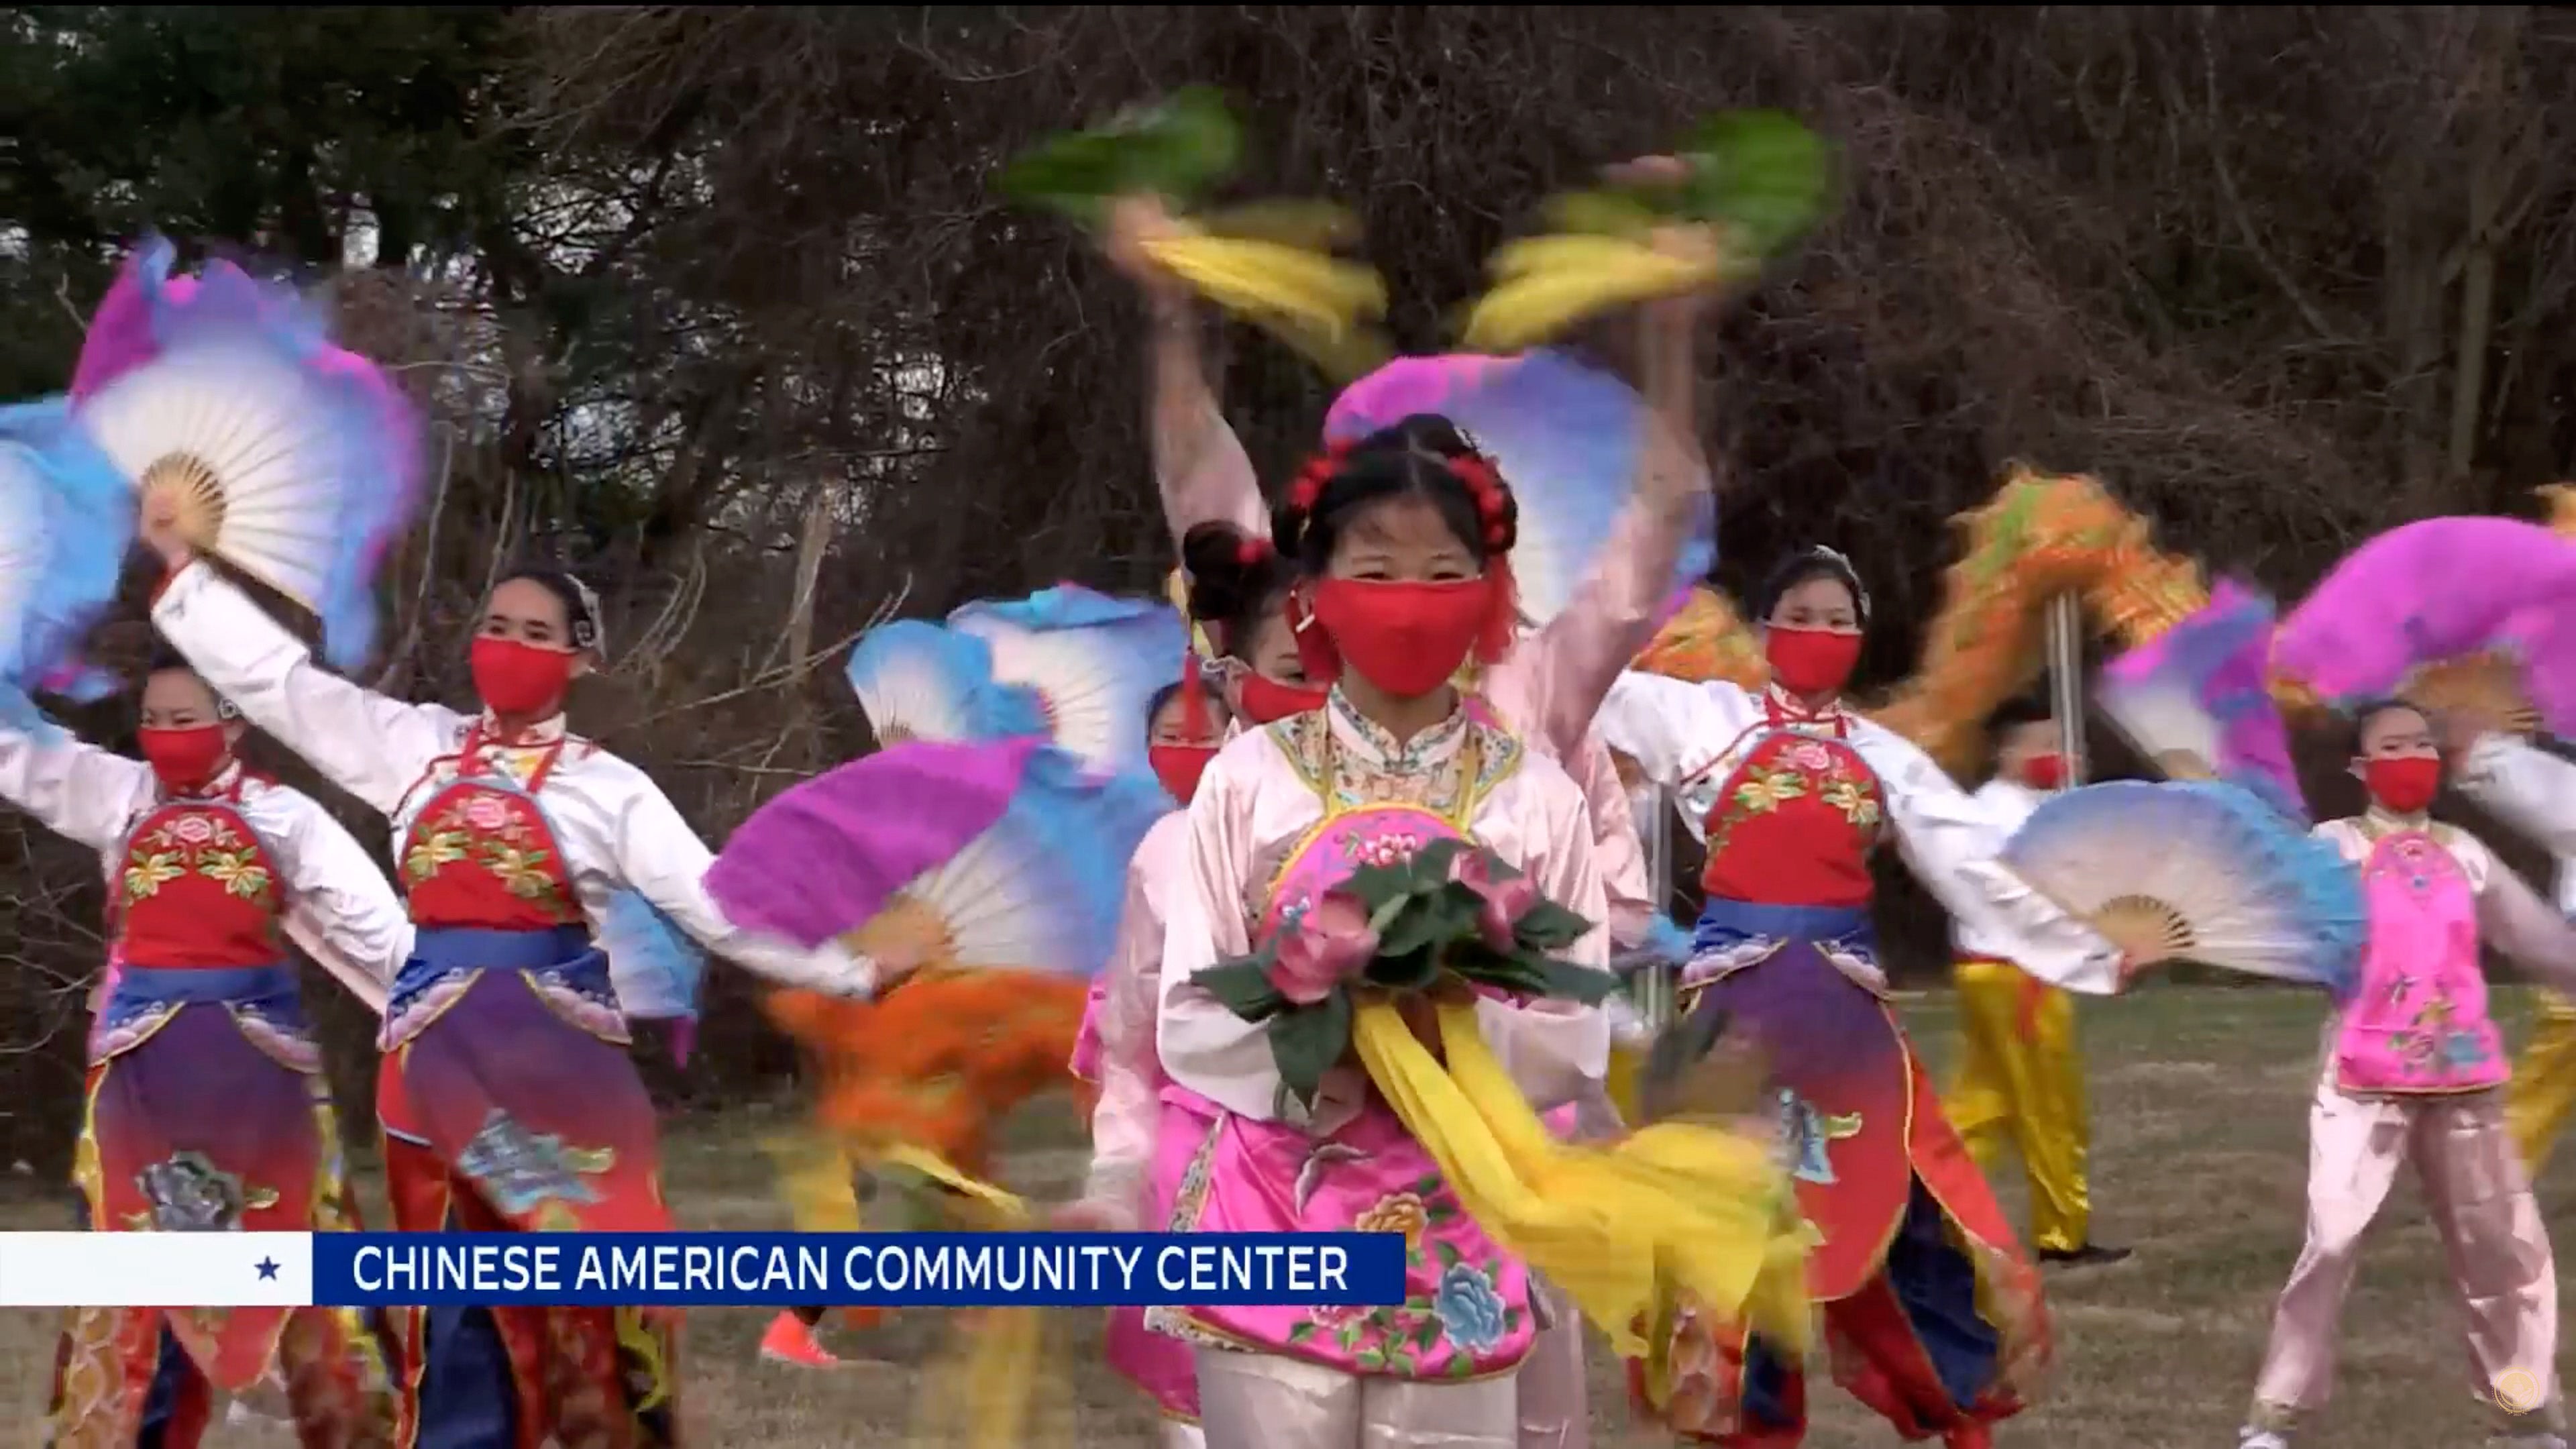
(1507, 898)
(1331, 943)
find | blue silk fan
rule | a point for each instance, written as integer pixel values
(2197, 870)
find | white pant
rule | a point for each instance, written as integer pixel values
(1262, 1401)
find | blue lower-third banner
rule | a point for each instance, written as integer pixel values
(894, 1270)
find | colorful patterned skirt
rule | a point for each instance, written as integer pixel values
(1933, 1315)
(207, 1112)
(508, 1103)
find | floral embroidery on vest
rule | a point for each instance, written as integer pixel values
(480, 827)
(198, 843)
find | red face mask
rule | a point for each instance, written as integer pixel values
(1405, 638)
(2044, 771)
(1811, 661)
(184, 759)
(523, 680)
(1266, 701)
(1179, 767)
(2403, 784)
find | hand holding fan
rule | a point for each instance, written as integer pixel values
(1270, 263)
(1565, 436)
(1093, 662)
(1749, 184)
(2197, 700)
(923, 681)
(2440, 590)
(65, 525)
(288, 458)
(2200, 871)
(656, 969)
(1006, 857)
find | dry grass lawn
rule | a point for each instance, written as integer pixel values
(2199, 1101)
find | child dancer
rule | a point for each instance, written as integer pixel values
(2413, 1064)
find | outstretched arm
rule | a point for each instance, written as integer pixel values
(663, 860)
(78, 791)
(1200, 467)
(2524, 786)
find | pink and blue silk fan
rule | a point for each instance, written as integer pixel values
(2439, 590)
(1005, 856)
(290, 458)
(1565, 436)
(2198, 870)
(922, 681)
(66, 522)
(1093, 662)
(2198, 701)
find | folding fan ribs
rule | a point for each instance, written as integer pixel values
(283, 455)
(922, 681)
(998, 870)
(1090, 663)
(1566, 437)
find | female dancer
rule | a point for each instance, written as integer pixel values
(206, 1106)
(507, 1100)
(1116, 1055)
(1935, 1314)
(2411, 1073)
(1399, 545)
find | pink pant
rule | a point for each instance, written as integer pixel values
(2491, 1231)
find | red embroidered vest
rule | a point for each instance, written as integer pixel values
(480, 855)
(1796, 823)
(197, 889)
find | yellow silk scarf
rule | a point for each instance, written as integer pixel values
(1675, 1207)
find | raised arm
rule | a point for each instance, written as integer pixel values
(372, 746)
(1575, 657)
(1559, 1051)
(78, 791)
(2524, 786)
(1950, 841)
(341, 910)
(1200, 467)
(665, 862)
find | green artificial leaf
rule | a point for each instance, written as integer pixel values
(1449, 1257)
(1305, 1042)
(1399, 1359)
(1432, 864)
(1461, 1367)
(1429, 921)
(1427, 1335)
(1427, 1185)
(1412, 971)
(1243, 986)
(1176, 148)
(1764, 173)
(1517, 974)
(1564, 981)
(1300, 1331)
(1549, 927)
(1369, 1360)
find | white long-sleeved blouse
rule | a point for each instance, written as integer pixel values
(614, 826)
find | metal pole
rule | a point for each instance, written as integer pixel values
(2066, 681)
(1655, 1002)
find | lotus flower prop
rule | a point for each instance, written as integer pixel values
(1452, 909)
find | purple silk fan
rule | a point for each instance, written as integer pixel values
(829, 852)
(2203, 688)
(2435, 590)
